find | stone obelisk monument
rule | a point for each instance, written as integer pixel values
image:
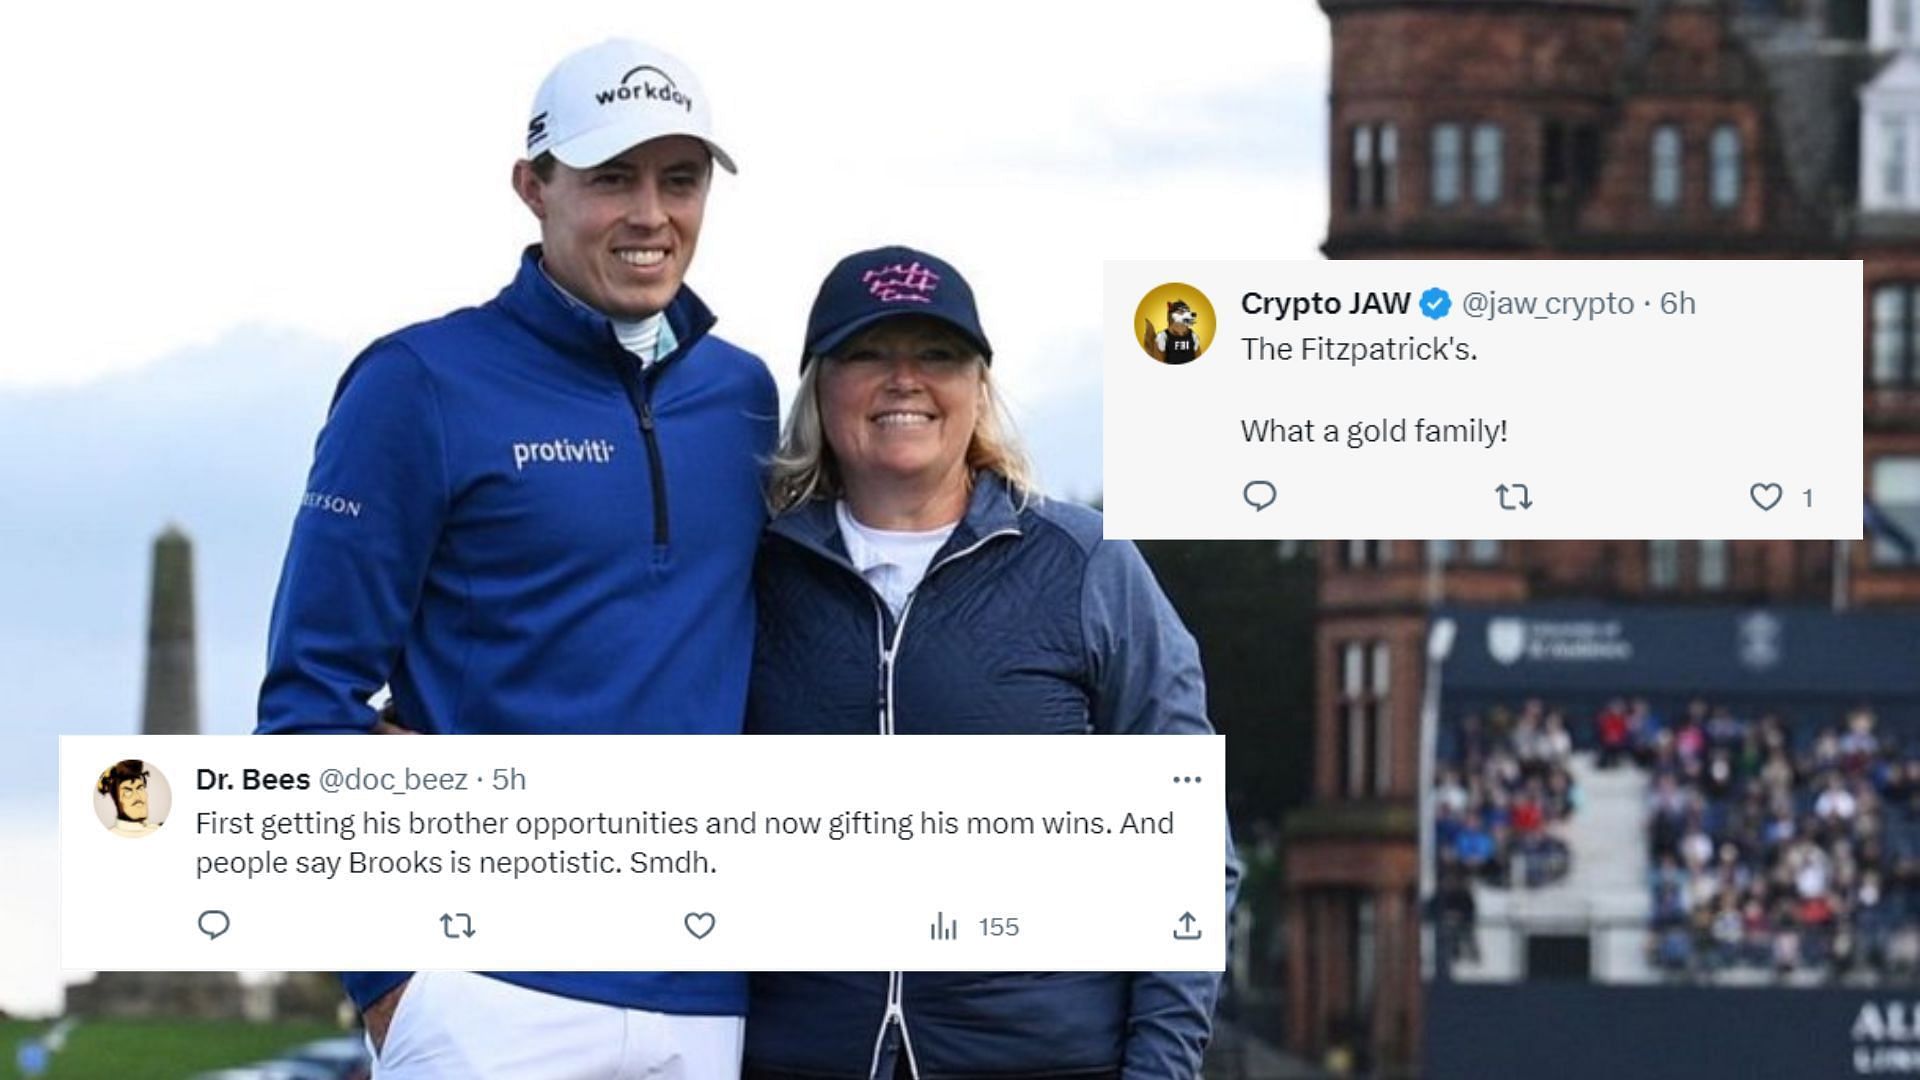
(173, 685)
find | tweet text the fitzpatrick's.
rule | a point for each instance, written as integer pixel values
(655, 853)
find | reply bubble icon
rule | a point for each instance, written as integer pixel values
(213, 923)
(1260, 494)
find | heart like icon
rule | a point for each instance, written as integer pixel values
(1765, 496)
(699, 923)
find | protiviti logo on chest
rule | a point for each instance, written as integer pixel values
(645, 83)
(562, 452)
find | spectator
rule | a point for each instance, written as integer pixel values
(1725, 731)
(1718, 778)
(1529, 810)
(1473, 846)
(1728, 932)
(1450, 794)
(1903, 951)
(1860, 743)
(1757, 930)
(1645, 728)
(1836, 803)
(1786, 944)
(1615, 737)
(1556, 743)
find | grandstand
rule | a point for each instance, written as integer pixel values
(1707, 847)
(1667, 818)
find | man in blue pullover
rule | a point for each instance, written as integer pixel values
(539, 515)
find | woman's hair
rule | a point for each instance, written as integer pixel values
(803, 467)
(122, 771)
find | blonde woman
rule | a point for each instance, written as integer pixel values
(910, 551)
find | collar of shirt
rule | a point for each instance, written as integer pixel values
(648, 339)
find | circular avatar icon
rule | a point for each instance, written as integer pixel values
(132, 798)
(1174, 323)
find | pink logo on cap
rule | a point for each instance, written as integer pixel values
(913, 283)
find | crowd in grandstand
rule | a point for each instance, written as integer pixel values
(1503, 785)
(1771, 849)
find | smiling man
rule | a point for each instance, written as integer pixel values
(539, 515)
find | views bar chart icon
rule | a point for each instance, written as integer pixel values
(944, 929)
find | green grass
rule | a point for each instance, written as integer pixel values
(154, 1049)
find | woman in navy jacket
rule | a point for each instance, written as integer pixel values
(913, 582)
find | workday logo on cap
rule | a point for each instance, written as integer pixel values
(646, 88)
(911, 282)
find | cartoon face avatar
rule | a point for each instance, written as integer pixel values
(125, 784)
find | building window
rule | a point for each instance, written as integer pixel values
(1902, 21)
(1366, 948)
(1848, 20)
(1665, 172)
(1382, 721)
(1713, 568)
(1361, 554)
(1663, 564)
(1569, 162)
(1478, 552)
(1486, 164)
(1360, 177)
(1724, 151)
(1896, 357)
(1355, 725)
(1554, 157)
(1892, 165)
(1366, 740)
(1371, 182)
(1893, 515)
(1446, 164)
(1387, 162)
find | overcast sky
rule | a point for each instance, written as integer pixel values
(205, 188)
(343, 173)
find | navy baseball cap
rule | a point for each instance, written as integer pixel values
(885, 283)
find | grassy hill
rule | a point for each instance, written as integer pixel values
(154, 1049)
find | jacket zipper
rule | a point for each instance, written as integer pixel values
(638, 389)
(896, 1013)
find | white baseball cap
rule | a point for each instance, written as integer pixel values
(608, 98)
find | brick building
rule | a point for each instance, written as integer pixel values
(1584, 129)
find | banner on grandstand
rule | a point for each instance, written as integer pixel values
(1575, 1032)
(1600, 650)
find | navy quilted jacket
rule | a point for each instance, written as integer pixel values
(1027, 622)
